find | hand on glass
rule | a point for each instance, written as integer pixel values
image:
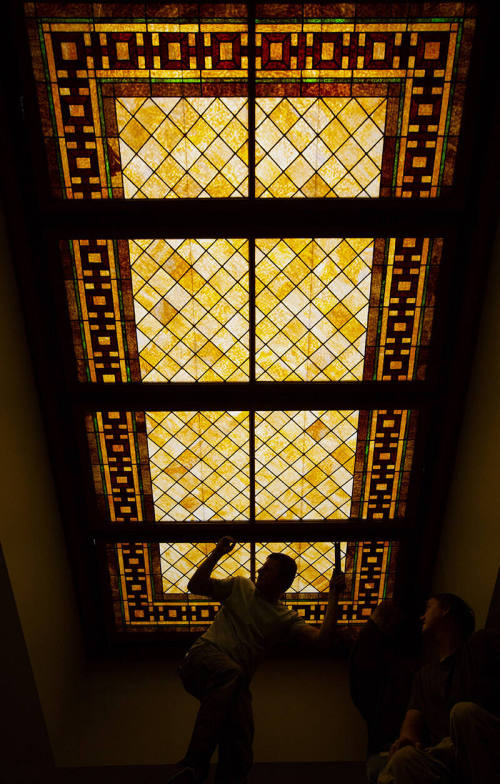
(337, 581)
(224, 545)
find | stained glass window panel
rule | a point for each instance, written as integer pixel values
(326, 72)
(326, 309)
(183, 147)
(191, 309)
(304, 464)
(199, 464)
(317, 147)
(149, 581)
(309, 465)
(143, 102)
(312, 300)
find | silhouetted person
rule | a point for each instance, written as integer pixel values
(218, 668)
(451, 731)
(382, 663)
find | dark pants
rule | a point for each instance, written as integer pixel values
(471, 755)
(225, 715)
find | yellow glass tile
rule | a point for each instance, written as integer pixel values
(220, 187)
(308, 146)
(134, 134)
(310, 312)
(202, 489)
(185, 293)
(169, 147)
(300, 442)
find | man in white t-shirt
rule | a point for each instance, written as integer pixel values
(218, 668)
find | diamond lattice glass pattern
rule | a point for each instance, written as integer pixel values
(315, 562)
(183, 147)
(317, 147)
(179, 560)
(191, 309)
(304, 464)
(312, 300)
(199, 464)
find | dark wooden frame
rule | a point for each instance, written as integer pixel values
(35, 224)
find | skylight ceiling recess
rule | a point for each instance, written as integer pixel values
(197, 104)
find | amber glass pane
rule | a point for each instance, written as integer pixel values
(199, 464)
(180, 560)
(183, 147)
(148, 581)
(191, 309)
(316, 147)
(304, 464)
(312, 308)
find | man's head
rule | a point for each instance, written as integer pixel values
(447, 611)
(276, 574)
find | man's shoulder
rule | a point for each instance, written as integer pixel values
(243, 585)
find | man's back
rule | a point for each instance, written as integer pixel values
(247, 625)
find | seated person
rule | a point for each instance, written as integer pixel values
(218, 668)
(382, 663)
(451, 731)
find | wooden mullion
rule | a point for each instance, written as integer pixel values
(272, 531)
(263, 217)
(251, 396)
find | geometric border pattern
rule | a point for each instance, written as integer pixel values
(401, 309)
(139, 603)
(419, 63)
(82, 65)
(421, 60)
(122, 474)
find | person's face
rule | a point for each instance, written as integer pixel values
(432, 616)
(268, 576)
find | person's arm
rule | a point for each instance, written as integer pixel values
(201, 583)
(411, 733)
(324, 635)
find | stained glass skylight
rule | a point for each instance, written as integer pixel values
(197, 466)
(326, 309)
(149, 585)
(364, 101)
(209, 340)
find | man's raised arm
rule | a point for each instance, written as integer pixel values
(201, 583)
(325, 634)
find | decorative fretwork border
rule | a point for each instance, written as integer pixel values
(80, 64)
(122, 479)
(139, 603)
(401, 311)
